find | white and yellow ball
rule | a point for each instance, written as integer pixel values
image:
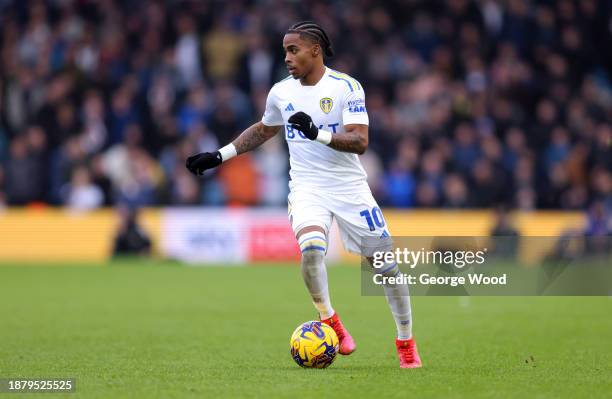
(314, 345)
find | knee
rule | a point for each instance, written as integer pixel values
(311, 258)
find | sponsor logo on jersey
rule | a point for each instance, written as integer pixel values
(357, 105)
(292, 133)
(290, 107)
(354, 103)
(326, 104)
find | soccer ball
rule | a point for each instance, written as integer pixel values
(314, 345)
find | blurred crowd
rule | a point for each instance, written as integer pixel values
(471, 103)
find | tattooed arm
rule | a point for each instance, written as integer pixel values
(251, 138)
(254, 136)
(354, 139)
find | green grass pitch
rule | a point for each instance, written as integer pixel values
(135, 330)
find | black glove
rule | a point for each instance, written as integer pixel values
(197, 164)
(303, 122)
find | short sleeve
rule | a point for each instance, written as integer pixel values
(272, 115)
(354, 108)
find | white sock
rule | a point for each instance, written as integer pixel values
(398, 298)
(313, 246)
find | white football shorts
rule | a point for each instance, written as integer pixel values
(358, 215)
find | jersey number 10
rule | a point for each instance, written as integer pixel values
(373, 217)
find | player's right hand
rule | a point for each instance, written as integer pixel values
(198, 163)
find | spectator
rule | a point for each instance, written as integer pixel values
(240, 181)
(197, 108)
(559, 148)
(81, 194)
(24, 183)
(466, 150)
(135, 176)
(186, 52)
(455, 192)
(223, 47)
(487, 185)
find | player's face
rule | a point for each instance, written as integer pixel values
(299, 55)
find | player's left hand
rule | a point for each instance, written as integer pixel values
(303, 122)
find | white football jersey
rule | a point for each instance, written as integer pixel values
(335, 101)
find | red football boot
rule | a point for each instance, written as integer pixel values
(408, 354)
(347, 344)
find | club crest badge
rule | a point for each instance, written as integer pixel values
(326, 104)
